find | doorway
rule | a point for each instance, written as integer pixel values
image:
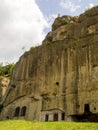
(86, 109)
(55, 118)
(46, 117)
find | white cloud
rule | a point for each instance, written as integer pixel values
(21, 24)
(91, 5)
(69, 5)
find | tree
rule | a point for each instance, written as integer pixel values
(7, 70)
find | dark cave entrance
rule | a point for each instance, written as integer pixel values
(86, 109)
(87, 116)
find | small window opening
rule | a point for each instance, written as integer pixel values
(17, 110)
(63, 116)
(55, 117)
(46, 117)
(57, 83)
(23, 111)
(7, 117)
(13, 86)
(87, 108)
(94, 108)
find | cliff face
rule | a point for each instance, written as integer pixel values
(4, 82)
(73, 28)
(61, 76)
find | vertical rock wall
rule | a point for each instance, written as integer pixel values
(59, 76)
(4, 82)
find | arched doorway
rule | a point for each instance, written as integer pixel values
(17, 111)
(23, 111)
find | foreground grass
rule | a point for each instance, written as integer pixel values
(30, 125)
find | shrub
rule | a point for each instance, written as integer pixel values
(64, 21)
(7, 70)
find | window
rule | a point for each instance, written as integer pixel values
(55, 117)
(7, 117)
(63, 116)
(23, 111)
(46, 117)
(17, 110)
(13, 86)
(57, 83)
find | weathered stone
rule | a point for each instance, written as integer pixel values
(58, 80)
(4, 82)
(75, 27)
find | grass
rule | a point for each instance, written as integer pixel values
(31, 125)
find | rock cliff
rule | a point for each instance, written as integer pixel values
(73, 28)
(59, 79)
(4, 82)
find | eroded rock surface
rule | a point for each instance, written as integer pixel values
(60, 78)
(4, 82)
(73, 28)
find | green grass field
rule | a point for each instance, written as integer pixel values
(31, 125)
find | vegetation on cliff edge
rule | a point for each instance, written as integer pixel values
(6, 70)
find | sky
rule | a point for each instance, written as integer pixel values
(25, 23)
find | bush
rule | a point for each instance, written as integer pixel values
(64, 21)
(6, 70)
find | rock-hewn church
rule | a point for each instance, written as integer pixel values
(58, 81)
